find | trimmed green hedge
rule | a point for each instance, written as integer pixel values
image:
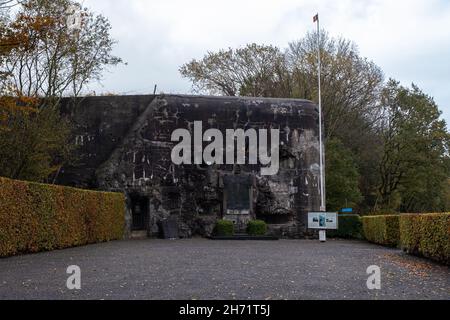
(427, 235)
(224, 228)
(350, 227)
(384, 230)
(257, 228)
(37, 217)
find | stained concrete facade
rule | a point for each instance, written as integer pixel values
(124, 144)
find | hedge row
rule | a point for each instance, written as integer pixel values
(37, 217)
(382, 230)
(350, 227)
(426, 235)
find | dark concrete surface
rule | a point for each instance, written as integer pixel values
(204, 269)
(124, 145)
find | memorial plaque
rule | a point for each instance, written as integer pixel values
(237, 189)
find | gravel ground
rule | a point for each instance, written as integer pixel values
(204, 269)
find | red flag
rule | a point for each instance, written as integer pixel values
(316, 18)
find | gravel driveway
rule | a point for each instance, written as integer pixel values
(204, 269)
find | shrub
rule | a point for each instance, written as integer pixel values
(37, 217)
(382, 230)
(350, 227)
(427, 235)
(257, 228)
(410, 233)
(224, 228)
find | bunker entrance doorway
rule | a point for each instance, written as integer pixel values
(140, 212)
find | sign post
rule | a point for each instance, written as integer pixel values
(323, 236)
(323, 221)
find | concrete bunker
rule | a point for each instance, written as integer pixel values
(127, 148)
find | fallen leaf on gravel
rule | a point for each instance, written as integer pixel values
(414, 267)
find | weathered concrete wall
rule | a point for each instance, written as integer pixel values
(100, 124)
(125, 145)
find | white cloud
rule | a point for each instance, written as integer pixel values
(408, 39)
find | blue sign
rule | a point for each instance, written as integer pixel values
(347, 210)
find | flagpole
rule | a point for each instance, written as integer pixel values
(322, 178)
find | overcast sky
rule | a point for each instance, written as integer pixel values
(408, 39)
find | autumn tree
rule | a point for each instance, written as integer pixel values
(43, 59)
(7, 42)
(255, 70)
(56, 59)
(350, 83)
